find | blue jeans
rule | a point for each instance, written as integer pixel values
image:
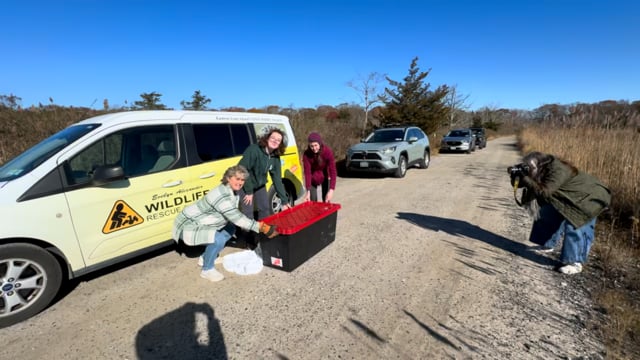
(552, 226)
(212, 250)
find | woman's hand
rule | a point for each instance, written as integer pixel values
(329, 196)
(285, 207)
(248, 199)
(307, 196)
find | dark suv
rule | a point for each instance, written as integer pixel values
(481, 138)
(390, 150)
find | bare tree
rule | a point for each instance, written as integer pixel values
(367, 90)
(10, 101)
(456, 103)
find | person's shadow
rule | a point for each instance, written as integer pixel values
(189, 332)
(463, 228)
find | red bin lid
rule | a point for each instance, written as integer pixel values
(298, 217)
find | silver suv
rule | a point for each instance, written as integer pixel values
(459, 140)
(390, 150)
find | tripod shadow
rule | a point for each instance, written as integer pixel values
(189, 332)
(463, 228)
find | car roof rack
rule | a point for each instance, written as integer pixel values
(394, 125)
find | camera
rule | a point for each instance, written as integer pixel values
(518, 170)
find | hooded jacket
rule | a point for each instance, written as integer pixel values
(578, 197)
(318, 167)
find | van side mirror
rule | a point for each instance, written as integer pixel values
(413, 139)
(105, 174)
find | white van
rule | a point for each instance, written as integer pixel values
(108, 188)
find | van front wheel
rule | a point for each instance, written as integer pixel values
(276, 202)
(30, 278)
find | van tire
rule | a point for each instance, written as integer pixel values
(41, 265)
(276, 202)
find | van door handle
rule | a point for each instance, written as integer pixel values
(172, 184)
(208, 175)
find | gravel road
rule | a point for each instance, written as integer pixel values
(431, 266)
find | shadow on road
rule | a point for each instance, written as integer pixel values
(463, 228)
(189, 332)
(436, 335)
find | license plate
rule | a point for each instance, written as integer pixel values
(364, 164)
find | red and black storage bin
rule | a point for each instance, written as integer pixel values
(303, 230)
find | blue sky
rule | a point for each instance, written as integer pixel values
(514, 54)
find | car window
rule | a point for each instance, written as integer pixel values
(386, 136)
(220, 141)
(417, 133)
(140, 151)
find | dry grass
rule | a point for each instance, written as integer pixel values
(611, 155)
(22, 129)
(338, 135)
(623, 325)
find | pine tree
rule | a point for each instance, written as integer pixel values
(412, 103)
(150, 101)
(198, 102)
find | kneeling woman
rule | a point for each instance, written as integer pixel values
(212, 220)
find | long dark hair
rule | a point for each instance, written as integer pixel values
(540, 171)
(264, 141)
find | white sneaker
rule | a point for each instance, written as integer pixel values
(571, 269)
(201, 260)
(211, 275)
(541, 249)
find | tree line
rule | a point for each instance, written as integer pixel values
(409, 101)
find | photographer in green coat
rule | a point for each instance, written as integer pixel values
(564, 202)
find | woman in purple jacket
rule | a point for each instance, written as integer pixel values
(319, 169)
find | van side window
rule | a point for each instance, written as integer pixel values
(140, 151)
(220, 141)
(80, 167)
(241, 139)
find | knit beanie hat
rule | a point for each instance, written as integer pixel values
(315, 137)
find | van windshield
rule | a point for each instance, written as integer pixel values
(36, 155)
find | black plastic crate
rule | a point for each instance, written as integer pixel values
(304, 230)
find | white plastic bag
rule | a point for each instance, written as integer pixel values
(245, 262)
